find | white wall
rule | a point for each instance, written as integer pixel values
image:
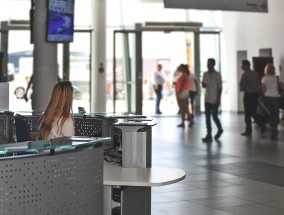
(251, 32)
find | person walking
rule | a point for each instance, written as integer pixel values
(212, 82)
(182, 92)
(158, 81)
(270, 87)
(250, 85)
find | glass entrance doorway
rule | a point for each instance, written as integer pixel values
(126, 82)
(170, 52)
(154, 44)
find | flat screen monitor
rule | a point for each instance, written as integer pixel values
(60, 21)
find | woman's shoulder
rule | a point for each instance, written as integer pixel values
(67, 120)
(70, 119)
(269, 78)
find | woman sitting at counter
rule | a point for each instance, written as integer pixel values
(56, 120)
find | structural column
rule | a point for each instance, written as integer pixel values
(45, 60)
(98, 86)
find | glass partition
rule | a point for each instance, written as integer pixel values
(20, 68)
(210, 48)
(126, 79)
(80, 69)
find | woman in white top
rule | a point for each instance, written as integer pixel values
(270, 86)
(56, 120)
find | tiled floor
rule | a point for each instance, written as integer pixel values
(236, 175)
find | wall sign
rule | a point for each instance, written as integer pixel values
(231, 5)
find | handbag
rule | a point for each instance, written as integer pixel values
(261, 109)
(281, 97)
(281, 101)
(183, 94)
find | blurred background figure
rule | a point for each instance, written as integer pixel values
(193, 91)
(271, 87)
(182, 92)
(30, 82)
(158, 82)
(212, 82)
(249, 84)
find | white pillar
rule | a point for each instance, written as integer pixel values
(98, 87)
(45, 60)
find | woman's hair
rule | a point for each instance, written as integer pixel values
(58, 109)
(269, 69)
(184, 68)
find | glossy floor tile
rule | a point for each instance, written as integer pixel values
(235, 175)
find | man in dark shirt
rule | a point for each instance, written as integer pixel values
(249, 84)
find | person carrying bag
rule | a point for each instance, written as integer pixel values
(270, 88)
(281, 95)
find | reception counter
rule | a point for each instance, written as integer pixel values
(62, 176)
(65, 176)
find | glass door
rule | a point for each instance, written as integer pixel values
(127, 72)
(210, 47)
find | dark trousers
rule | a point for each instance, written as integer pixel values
(250, 105)
(272, 103)
(158, 97)
(192, 95)
(212, 109)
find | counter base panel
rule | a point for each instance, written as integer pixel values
(68, 182)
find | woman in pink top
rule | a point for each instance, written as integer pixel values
(182, 92)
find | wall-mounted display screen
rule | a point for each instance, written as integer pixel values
(60, 21)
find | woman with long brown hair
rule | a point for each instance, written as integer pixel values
(56, 120)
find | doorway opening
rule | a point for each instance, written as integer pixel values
(136, 53)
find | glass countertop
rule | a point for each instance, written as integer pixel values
(24, 113)
(52, 144)
(136, 122)
(118, 115)
(100, 115)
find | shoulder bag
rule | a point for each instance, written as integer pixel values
(281, 97)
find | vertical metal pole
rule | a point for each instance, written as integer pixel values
(139, 72)
(219, 49)
(91, 69)
(66, 61)
(197, 67)
(4, 48)
(114, 70)
(127, 71)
